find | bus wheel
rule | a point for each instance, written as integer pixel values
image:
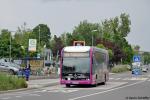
(67, 85)
(103, 83)
(95, 85)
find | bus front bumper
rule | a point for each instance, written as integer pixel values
(74, 82)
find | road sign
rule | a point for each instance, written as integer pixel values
(136, 58)
(32, 45)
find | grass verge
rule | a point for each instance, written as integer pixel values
(120, 68)
(10, 82)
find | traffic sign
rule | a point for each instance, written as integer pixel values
(136, 58)
(32, 45)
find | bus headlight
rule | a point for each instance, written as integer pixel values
(69, 78)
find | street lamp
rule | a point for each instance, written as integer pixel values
(92, 35)
(39, 35)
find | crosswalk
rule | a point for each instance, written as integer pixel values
(130, 78)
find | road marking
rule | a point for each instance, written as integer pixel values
(6, 98)
(18, 96)
(34, 95)
(106, 91)
(62, 90)
(138, 78)
(131, 78)
(111, 78)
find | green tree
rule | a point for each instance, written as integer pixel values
(85, 30)
(42, 33)
(5, 43)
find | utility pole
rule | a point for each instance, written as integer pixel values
(92, 35)
(10, 47)
(39, 35)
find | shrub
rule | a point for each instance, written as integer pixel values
(120, 68)
(8, 82)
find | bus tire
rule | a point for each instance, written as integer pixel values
(103, 83)
(95, 85)
(67, 85)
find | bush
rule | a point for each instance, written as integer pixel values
(120, 68)
(8, 82)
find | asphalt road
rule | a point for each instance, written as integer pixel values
(120, 87)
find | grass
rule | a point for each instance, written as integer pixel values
(10, 82)
(120, 68)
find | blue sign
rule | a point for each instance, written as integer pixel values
(136, 71)
(136, 58)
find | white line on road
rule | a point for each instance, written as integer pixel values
(106, 91)
(35, 95)
(6, 98)
(18, 96)
(111, 78)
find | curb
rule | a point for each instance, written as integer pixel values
(31, 88)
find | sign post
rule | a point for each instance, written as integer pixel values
(136, 69)
(32, 45)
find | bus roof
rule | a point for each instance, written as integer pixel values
(82, 49)
(77, 48)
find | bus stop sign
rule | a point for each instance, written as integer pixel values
(136, 58)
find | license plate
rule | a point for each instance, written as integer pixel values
(75, 82)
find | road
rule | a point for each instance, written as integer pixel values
(120, 87)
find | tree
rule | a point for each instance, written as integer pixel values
(42, 33)
(5, 43)
(57, 45)
(84, 31)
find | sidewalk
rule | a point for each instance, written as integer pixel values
(42, 83)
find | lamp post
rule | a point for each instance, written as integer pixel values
(39, 35)
(92, 35)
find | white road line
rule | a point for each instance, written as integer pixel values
(138, 78)
(18, 96)
(111, 78)
(6, 98)
(106, 91)
(34, 95)
(63, 91)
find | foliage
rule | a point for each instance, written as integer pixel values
(8, 82)
(119, 69)
(146, 57)
(57, 45)
(42, 33)
(110, 33)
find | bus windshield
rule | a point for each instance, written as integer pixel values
(76, 65)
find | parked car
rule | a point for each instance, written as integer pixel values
(9, 67)
(145, 68)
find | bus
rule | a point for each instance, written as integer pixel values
(83, 65)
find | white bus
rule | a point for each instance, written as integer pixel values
(83, 65)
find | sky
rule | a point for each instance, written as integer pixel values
(63, 15)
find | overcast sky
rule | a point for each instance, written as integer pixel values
(62, 15)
